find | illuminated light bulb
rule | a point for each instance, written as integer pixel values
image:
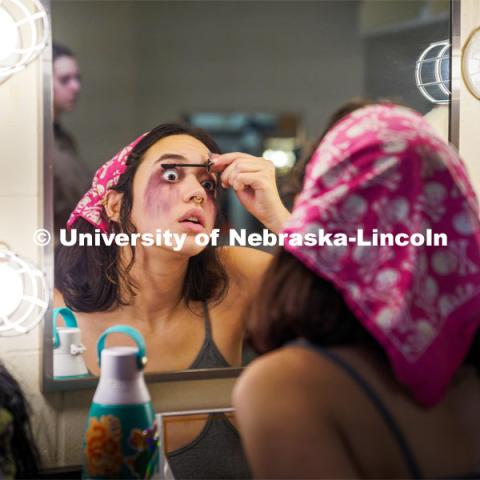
(9, 37)
(11, 289)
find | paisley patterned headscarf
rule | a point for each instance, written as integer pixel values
(383, 167)
(92, 205)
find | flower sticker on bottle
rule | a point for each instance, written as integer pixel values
(145, 443)
(103, 447)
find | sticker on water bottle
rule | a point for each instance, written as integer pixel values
(109, 454)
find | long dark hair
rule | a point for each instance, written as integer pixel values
(22, 445)
(90, 278)
(297, 303)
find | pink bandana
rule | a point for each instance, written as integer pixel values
(91, 205)
(384, 167)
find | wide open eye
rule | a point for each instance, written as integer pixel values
(170, 175)
(209, 185)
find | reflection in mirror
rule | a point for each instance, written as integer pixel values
(264, 87)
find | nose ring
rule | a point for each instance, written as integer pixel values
(198, 199)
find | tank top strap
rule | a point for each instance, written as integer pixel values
(374, 398)
(209, 355)
(208, 323)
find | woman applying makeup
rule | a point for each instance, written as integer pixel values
(161, 181)
(188, 303)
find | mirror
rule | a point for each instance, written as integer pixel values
(258, 76)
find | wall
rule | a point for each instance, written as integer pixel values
(377, 16)
(144, 63)
(101, 37)
(399, 49)
(20, 197)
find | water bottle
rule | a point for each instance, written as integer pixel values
(121, 439)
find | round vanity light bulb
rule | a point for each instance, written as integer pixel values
(11, 290)
(9, 35)
(471, 63)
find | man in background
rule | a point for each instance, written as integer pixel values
(71, 175)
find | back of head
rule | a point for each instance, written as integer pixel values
(383, 170)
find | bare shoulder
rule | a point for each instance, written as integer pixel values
(287, 418)
(243, 263)
(292, 381)
(290, 368)
(269, 389)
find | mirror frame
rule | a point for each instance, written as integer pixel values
(48, 384)
(161, 419)
(455, 74)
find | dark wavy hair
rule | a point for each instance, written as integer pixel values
(22, 444)
(297, 303)
(92, 278)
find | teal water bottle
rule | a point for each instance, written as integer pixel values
(121, 440)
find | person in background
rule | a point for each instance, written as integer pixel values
(373, 363)
(19, 457)
(71, 175)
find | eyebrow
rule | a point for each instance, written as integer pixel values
(171, 156)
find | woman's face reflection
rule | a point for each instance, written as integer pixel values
(180, 199)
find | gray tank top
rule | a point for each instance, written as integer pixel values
(216, 453)
(209, 356)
